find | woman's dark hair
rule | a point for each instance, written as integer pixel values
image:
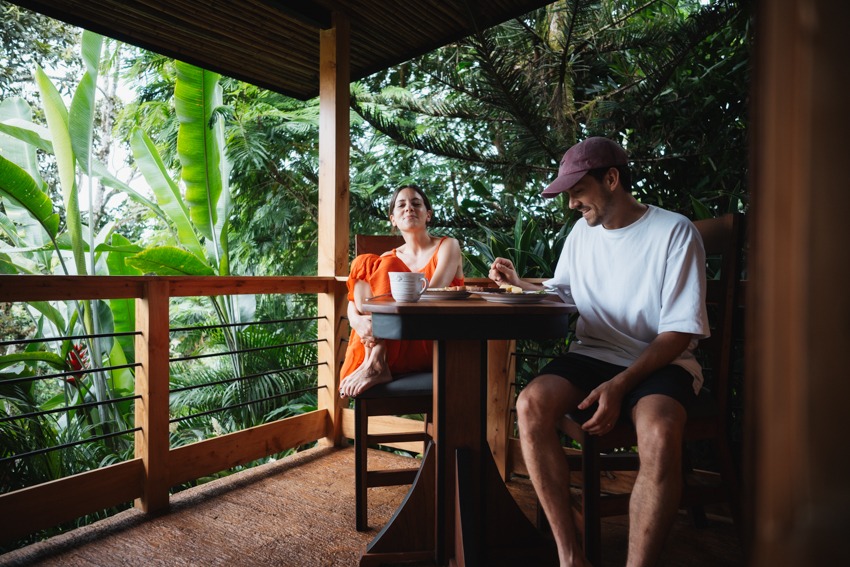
(625, 175)
(421, 194)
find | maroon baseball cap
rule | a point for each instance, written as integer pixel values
(586, 155)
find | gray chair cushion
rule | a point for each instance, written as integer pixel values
(413, 384)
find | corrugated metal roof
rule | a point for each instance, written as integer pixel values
(275, 43)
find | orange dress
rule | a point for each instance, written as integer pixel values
(402, 356)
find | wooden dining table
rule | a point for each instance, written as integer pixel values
(458, 510)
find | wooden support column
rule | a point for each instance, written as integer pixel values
(334, 148)
(797, 382)
(152, 444)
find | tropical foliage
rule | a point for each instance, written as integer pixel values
(223, 180)
(86, 414)
(667, 79)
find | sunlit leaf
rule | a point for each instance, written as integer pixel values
(195, 98)
(123, 310)
(57, 123)
(18, 151)
(50, 358)
(169, 261)
(17, 184)
(166, 191)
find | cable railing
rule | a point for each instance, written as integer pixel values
(136, 381)
(285, 371)
(45, 412)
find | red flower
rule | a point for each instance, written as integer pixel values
(77, 359)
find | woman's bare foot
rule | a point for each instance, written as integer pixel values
(373, 371)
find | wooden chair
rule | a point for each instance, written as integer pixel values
(722, 238)
(407, 394)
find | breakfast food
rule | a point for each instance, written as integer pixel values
(511, 288)
(472, 288)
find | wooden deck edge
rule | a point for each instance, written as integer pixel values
(214, 455)
(42, 506)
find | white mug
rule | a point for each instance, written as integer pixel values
(407, 287)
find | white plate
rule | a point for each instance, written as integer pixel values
(528, 297)
(436, 295)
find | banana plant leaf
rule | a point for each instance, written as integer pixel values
(27, 131)
(18, 185)
(195, 97)
(39, 138)
(22, 230)
(50, 358)
(129, 249)
(200, 148)
(169, 261)
(123, 383)
(99, 170)
(123, 310)
(7, 227)
(15, 150)
(81, 115)
(57, 123)
(50, 313)
(166, 191)
(7, 267)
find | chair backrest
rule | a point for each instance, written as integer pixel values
(376, 243)
(723, 241)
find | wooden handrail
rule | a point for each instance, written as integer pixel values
(63, 288)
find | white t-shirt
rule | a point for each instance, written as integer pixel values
(633, 283)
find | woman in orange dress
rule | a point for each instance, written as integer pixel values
(369, 361)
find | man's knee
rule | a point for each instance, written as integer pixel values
(528, 407)
(544, 401)
(660, 430)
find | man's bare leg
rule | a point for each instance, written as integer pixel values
(660, 423)
(540, 407)
(374, 370)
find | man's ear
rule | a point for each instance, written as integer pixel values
(612, 176)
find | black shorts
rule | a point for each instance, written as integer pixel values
(587, 373)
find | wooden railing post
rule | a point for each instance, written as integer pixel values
(152, 383)
(501, 373)
(334, 143)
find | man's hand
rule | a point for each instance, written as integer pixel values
(610, 398)
(502, 271)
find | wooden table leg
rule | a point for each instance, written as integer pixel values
(483, 523)
(459, 492)
(407, 535)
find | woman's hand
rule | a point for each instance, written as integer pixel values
(362, 324)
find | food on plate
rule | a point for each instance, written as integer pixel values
(511, 288)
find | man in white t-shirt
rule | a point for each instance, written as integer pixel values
(636, 274)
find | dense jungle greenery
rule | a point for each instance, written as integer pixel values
(104, 170)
